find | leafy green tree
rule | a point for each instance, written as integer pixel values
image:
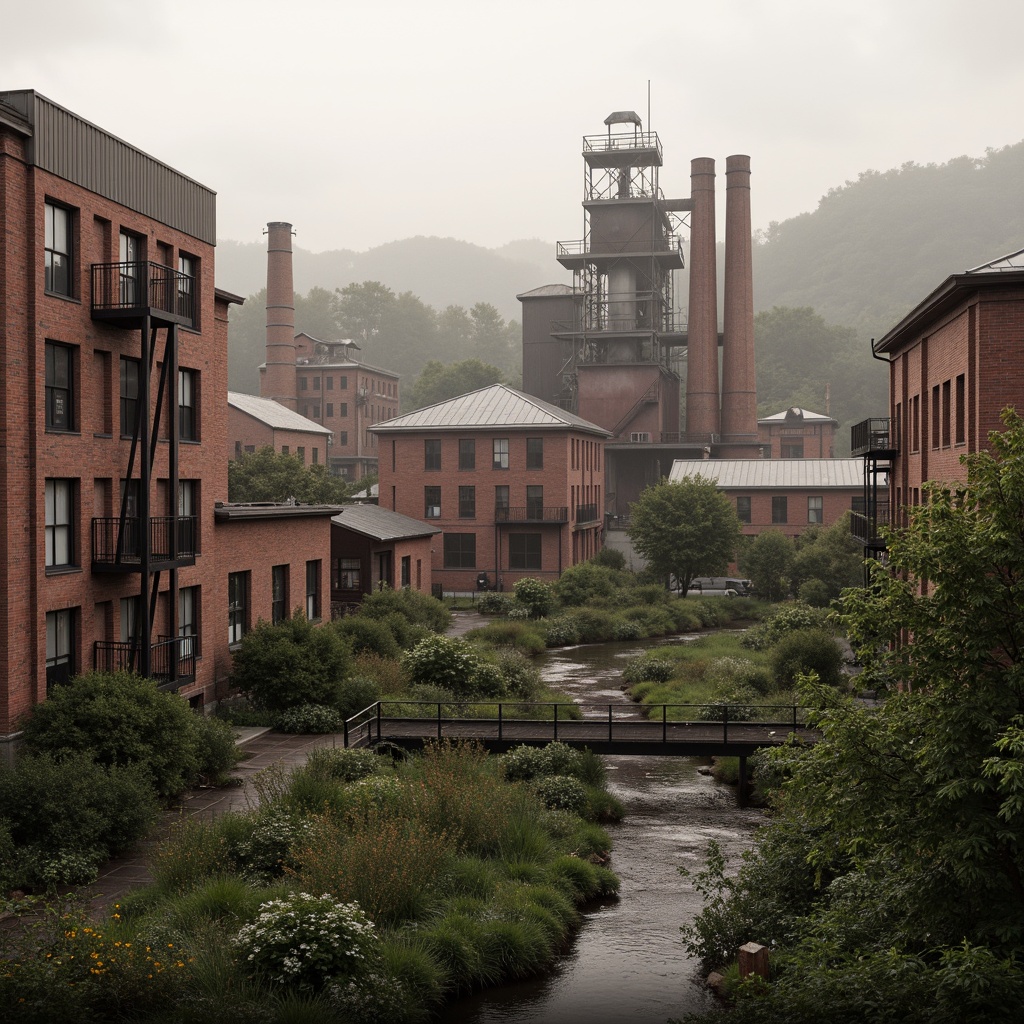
(438, 382)
(292, 663)
(316, 314)
(360, 310)
(832, 557)
(901, 833)
(494, 341)
(266, 475)
(685, 529)
(768, 560)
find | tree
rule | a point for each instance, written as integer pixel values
(266, 475)
(767, 561)
(685, 529)
(900, 835)
(437, 382)
(832, 559)
(360, 310)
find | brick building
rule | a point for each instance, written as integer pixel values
(255, 423)
(514, 483)
(373, 547)
(113, 375)
(785, 495)
(956, 360)
(797, 434)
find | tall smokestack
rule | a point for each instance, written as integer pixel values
(278, 381)
(702, 328)
(739, 388)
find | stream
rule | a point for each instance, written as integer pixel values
(627, 963)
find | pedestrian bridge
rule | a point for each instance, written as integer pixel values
(683, 730)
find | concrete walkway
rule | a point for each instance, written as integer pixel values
(260, 749)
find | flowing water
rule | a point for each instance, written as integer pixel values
(627, 964)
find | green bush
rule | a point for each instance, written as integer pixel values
(309, 718)
(523, 636)
(629, 629)
(595, 624)
(561, 793)
(534, 595)
(562, 632)
(121, 719)
(803, 651)
(446, 661)
(64, 814)
(738, 700)
(416, 608)
(587, 582)
(795, 615)
(523, 763)
(648, 667)
(367, 634)
(291, 663)
(816, 593)
(345, 765)
(494, 603)
(356, 694)
(610, 557)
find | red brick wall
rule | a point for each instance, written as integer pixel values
(572, 476)
(818, 438)
(248, 432)
(836, 502)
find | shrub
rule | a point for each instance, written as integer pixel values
(611, 558)
(291, 663)
(630, 629)
(524, 763)
(367, 634)
(121, 719)
(587, 582)
(534, 595)
(594, 624)
(807, 650)
(740, 702)
(302, 941)
(344, 765)
(561, 793)
(388, 675)
(265, 852)
(648, 667)
(444, 661)
(562, 632)
(309, 718)
(356, 694)
(520, 678)
(494, 603)
(815, 593)
(416, 608)
(796, 615)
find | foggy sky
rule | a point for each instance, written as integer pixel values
(362, 123)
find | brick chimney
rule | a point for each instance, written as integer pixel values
(278, 381)
(739, 388)
(702, 346)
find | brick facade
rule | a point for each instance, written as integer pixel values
(248, 434)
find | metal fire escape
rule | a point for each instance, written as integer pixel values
(622, 267)
(877, 442)
(155, 301)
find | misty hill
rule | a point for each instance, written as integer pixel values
(440, 271)
(876, 246)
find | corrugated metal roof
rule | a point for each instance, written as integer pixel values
(546, 290)
(754, 474)
(796, 413)
(1012, 261)
(381, 523)
(273, 414)
(497, 405)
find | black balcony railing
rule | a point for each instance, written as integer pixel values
(121, 290)
(866, 527)
(171, 658)
(532, 514)
(586, 513)
(876, 435)
(119, 541)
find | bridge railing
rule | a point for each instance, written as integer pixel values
(450, 719)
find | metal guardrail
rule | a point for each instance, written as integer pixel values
(117, 541)
(132, 287)
(878, 434)
(532, 514)
(170, 658)
(622, 140)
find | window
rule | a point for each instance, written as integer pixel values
(524, 551)
(961, 409)
(278, 594)
(330, 408)
(467, 453)
(500, 460)
(535, 502)
(915, 423)
(347, 574)
(60, 644)
(432, 454)
(946, 413)
(131, 620)
(131, 256)
(316, 383)
(743, 509)
(936, 417)
(467, 502)
(342, 437)
(188, 426)
(60, 534)
(238, 606)
(329, 383)
(300, 453)
(129, 396)
(460, 550)
(316, 456)
(343, 409)
(779, 509)
(188, 503)
(343, 383)
(313, 590)
(188, 620)
(186, 287)
(406, 570)
(431, 502)
(60, 377)
(791, 450)
(501, 496)
(535, 453)
(303, 383)
(60, 250)
(815, 511)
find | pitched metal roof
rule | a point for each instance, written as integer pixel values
(382, 524)
(497, 405)
(796, 413)
(273, 414)
(1012, 261)
(775, 474)
(546, 290)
